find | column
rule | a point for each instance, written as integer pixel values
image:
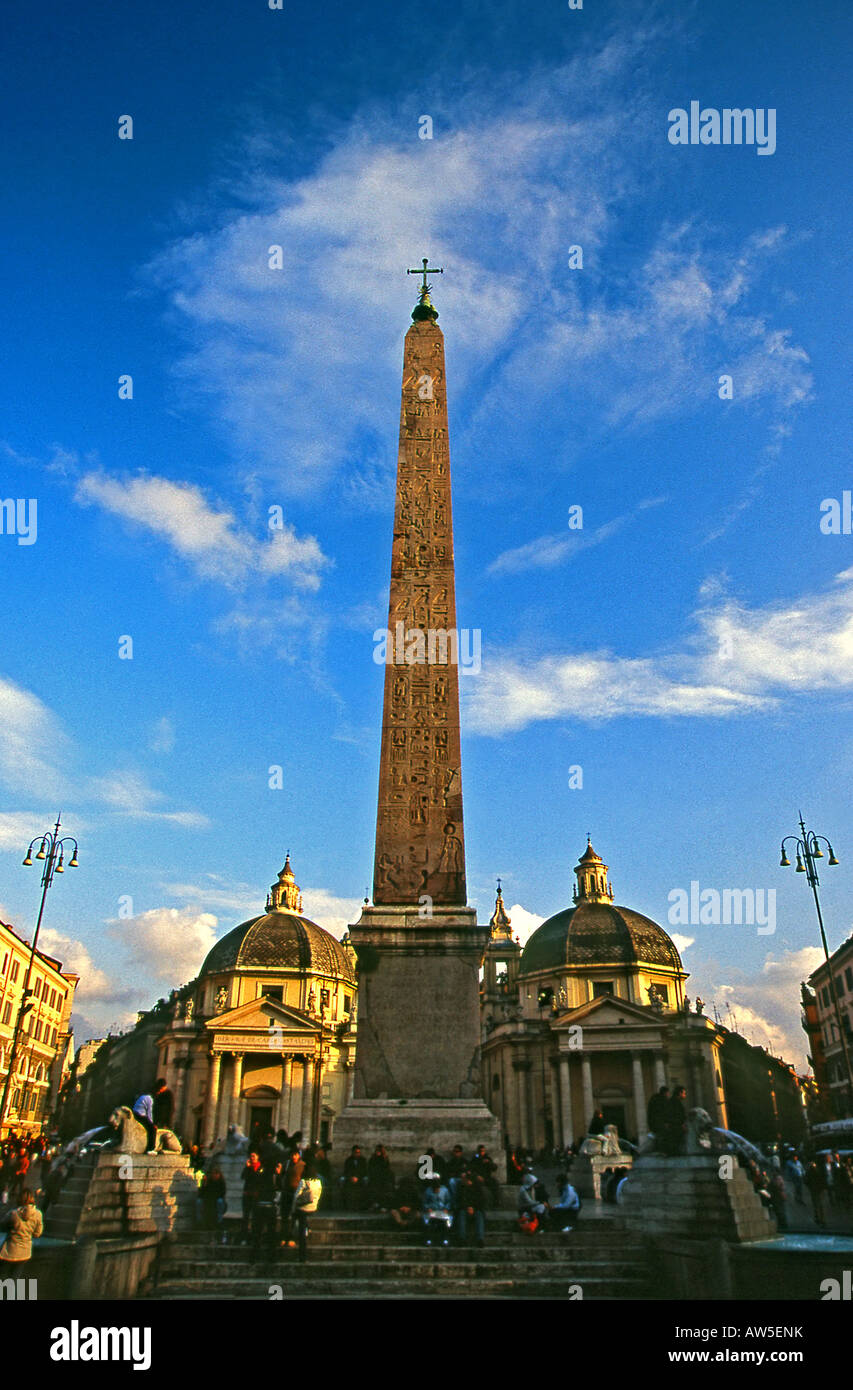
(283, 1107)
(566, 1102)
(208, 1133)
(520, 1068)
(181, 1064)
(639, 1094)
(660, 1071)
(307, 1096)
(588, 1102)
(236, 1086)
(350, 1079)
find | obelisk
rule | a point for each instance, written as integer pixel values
(418, 945)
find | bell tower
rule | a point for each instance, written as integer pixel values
(593, 883)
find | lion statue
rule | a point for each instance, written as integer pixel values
(168, 1142)
(699, 1126)
(605, 1145)
(130, 1136)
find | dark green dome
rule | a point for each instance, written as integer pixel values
(280, 940)
(598, 933)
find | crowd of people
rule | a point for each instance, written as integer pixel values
(283, 1180)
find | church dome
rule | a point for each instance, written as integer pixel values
(281, 939)
(597, 931)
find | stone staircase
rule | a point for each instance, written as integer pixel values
(364, 1257)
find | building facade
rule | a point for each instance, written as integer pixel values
(821, 1025)
(45, 1040)
(591, 1015)
(264, 1038)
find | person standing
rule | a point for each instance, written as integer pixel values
(250, 1178)
(24, 1225)
(657, 1111)
(483, 1169)
(211, 1199)
(795, 1173)
(289, 1183)
(469, 1204)
(675, 1123)
(163, 1107)
(263, 1226)
(380, 1179)
(816, 1183)
(305, 1201)
(353, 1179)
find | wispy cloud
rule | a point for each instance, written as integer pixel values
(643, 330)
(546, 552)
(32, 744)
(742, 661)
(127, 793)
(33, 747)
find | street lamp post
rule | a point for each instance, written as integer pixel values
(52, 851)
(808, 850)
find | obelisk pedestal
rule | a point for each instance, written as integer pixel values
(417, 1083)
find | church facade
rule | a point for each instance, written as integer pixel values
(264, 1038)
(590, 1015)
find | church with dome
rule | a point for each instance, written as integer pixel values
(265, 1035)
(591, 1015)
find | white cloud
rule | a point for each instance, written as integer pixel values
(765, 1007)
(166, 945)
(682, 943)
(523, 923)
(329, 911)
(509, 695)
(208, 539)
(32, 744)
(95, 984)
(747, 660)
(799, 645)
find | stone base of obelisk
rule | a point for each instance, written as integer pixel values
(408, 1128)
(417, 1065)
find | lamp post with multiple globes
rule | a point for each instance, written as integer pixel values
(52, 850)
(808, 850)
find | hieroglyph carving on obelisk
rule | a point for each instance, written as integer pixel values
(420, 850)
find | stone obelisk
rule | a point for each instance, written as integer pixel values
(419, 948)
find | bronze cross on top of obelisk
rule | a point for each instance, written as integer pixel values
(427, 270)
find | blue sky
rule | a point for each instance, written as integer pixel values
(691, 649)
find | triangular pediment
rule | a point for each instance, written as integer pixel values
(262, 1014)
(606, 1011)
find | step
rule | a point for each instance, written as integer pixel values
(405, 1269)
(235, 1257)
(259, 1288)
